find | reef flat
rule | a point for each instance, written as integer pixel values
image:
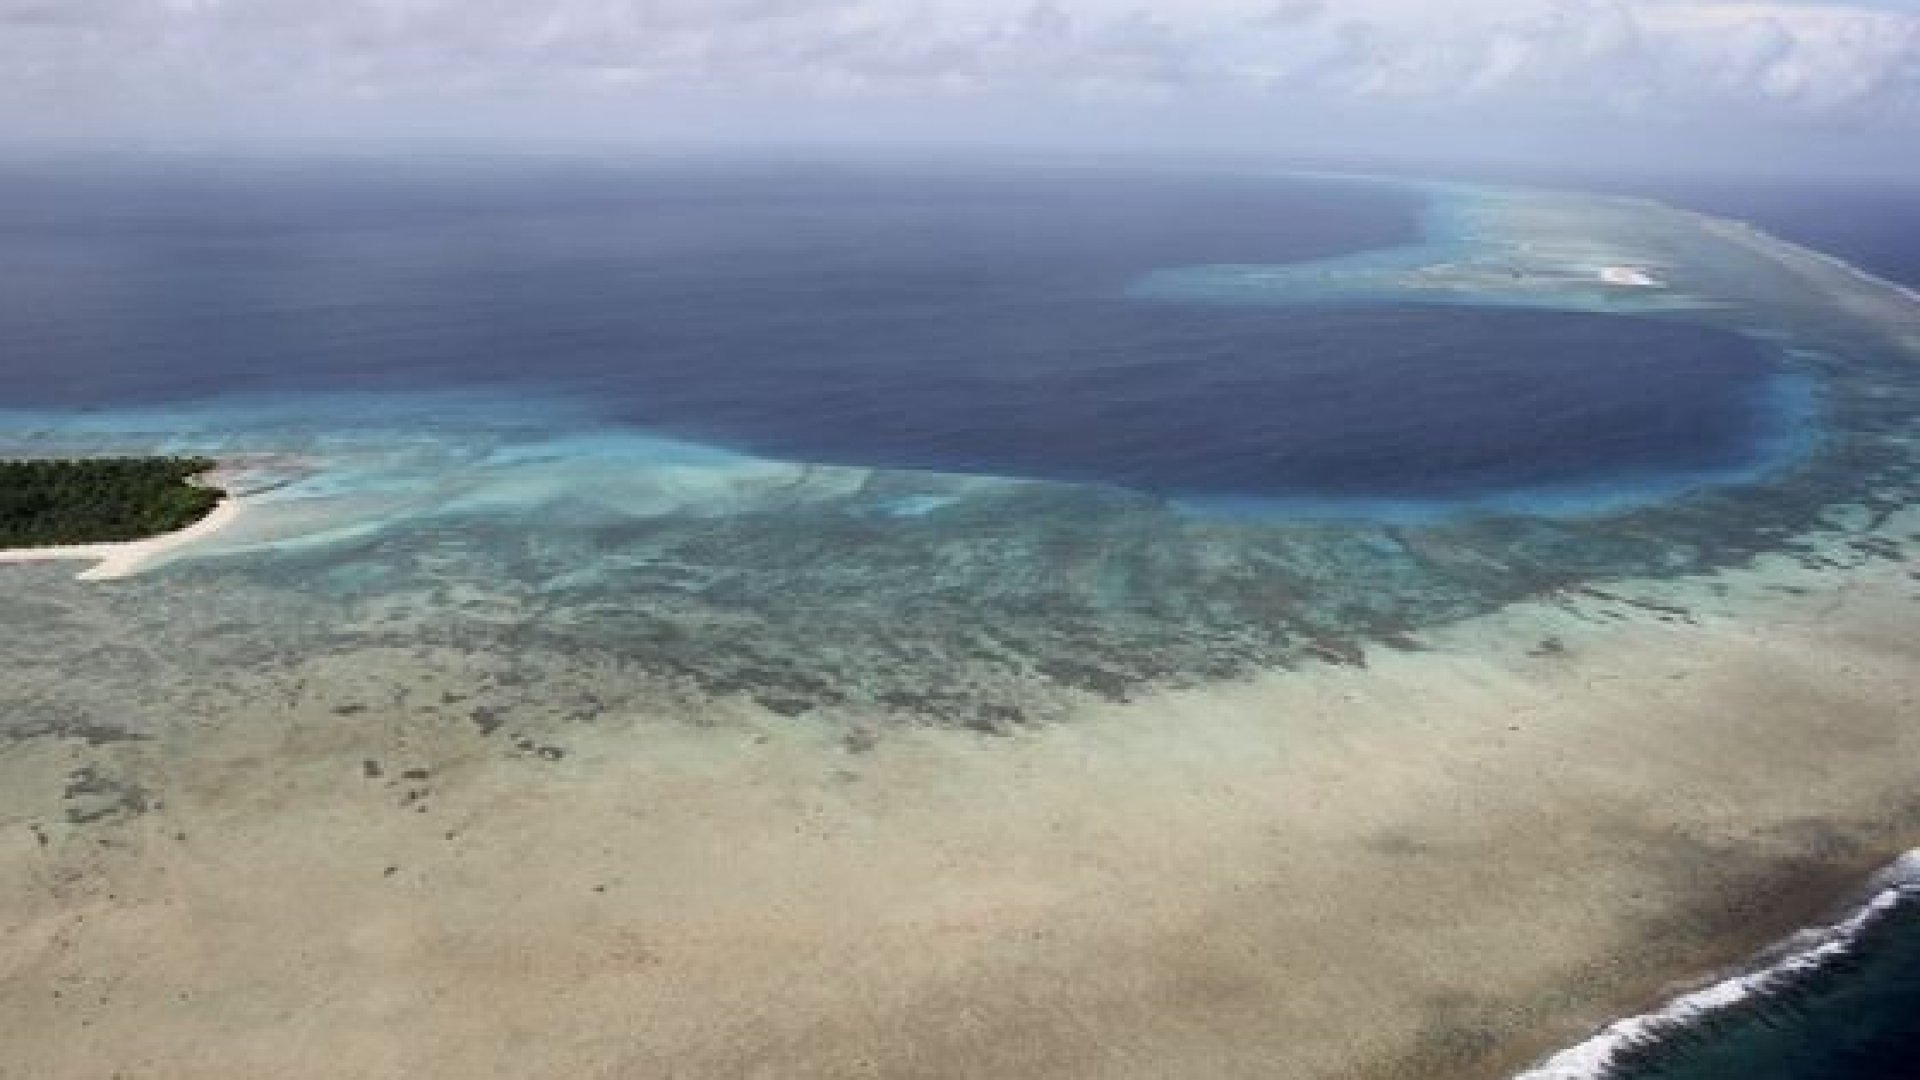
(510, 862)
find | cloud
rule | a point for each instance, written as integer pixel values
(106, 62)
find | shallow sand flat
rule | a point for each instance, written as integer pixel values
(1445, 864)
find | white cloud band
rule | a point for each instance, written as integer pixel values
(1756, 62)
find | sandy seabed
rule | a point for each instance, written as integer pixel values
(1445, 864)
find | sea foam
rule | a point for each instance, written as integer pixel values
(1774, 971)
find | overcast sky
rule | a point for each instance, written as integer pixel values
(1797, 84)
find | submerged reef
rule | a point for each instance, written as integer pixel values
(524, 562)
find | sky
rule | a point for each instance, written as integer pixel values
(1787, 85)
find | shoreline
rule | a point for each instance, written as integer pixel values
(1807, 950)
(120, 559)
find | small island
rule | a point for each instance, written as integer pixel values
(53, 503)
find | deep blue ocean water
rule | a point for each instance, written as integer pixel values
(950, 323)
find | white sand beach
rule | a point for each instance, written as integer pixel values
(120, 560)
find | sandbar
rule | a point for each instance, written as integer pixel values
(1631, 276)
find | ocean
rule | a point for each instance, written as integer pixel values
(975, 325)
(1184, 347)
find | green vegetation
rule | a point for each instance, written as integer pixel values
(100, 500)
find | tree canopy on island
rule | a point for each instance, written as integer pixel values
(100, 500)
